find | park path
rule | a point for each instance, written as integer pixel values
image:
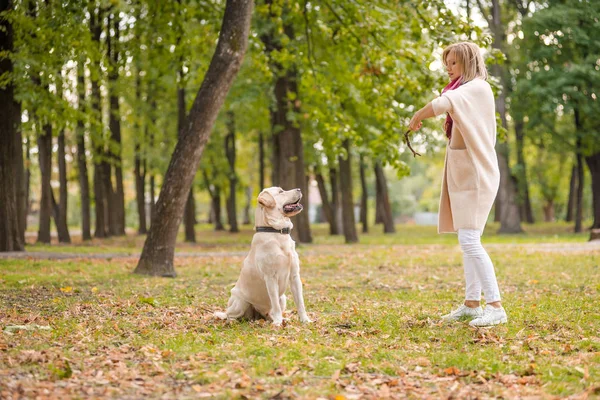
(312, 250)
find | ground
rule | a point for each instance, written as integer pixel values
(376, 330)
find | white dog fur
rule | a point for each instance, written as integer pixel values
(272, 263)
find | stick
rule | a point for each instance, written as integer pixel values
(408, 144)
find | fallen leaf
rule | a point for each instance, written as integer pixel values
(336, 375)
(452, 371)
(423, 362)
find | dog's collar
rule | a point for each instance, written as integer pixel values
(284, 231)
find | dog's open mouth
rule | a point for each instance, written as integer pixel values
(293, 207)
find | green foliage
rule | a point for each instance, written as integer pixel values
(363, 69)
(561, 67)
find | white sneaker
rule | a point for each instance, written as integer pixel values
(463, 312)
(491, 316)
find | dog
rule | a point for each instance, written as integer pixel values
(272, 263)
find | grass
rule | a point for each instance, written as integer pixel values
(376, 330)
(209, 241)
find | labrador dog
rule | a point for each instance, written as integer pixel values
(272, 263)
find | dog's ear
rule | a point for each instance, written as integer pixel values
(266, 199)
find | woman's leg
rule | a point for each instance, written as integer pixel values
(479, 270)
(472, 305)
(472, 282)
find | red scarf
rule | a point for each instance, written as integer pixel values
(448, 124)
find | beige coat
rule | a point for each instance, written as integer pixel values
(471, 175)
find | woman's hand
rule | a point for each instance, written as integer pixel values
(415, 122)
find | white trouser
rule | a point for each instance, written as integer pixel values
(479, 270)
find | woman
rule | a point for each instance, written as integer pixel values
(471, 175)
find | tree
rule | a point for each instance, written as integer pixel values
(230, 153)
(364, 196)
(117, 212)
(329, 207)
(61, 219)
(506, 202)
(11, 152)
(84, 183)
(288, 149)
(44, 143)
(101, 194)
(346, 192)
(563, 69)
(384, 199)
(158, 253)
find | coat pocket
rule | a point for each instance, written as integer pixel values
(462, 174)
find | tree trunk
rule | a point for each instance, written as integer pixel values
(346, 194)
(326, 205)
(110, 213)
(288, 152)
(140, 189)
(99, 199)
(593, 163)
(230, 154)
(216, 208)
(189, 213)
(572, 194)
(549, 211)
(248, 205)
(580, 176)
(579, 193)
(152, 176)
(61, 223)
(22, 175)
(189, 216)
(27, 183)
(214, 191)
(364, 197)
(386, 209)
(211, 214)
(138, 172)
(84, 184)
(117, 209)
(13, 115)
(336, 224)
(60, 217)
(379, 211)
(523, 184)
(497, 207)
(152, 199)
(100, 193)
(45, 160)
(275, 156)
(510, 219)
(261, 162)
(159, 248)
(11, 152)
(291, 152)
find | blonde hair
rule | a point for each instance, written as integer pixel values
(469, 57)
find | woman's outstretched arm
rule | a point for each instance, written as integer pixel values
(424, 113)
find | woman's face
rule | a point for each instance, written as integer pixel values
(453, 68)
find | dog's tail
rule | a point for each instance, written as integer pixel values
(220, 315)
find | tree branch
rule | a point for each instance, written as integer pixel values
(311, 56)
(484, 12)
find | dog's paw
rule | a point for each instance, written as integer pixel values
(220, 315)
(305, 320)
